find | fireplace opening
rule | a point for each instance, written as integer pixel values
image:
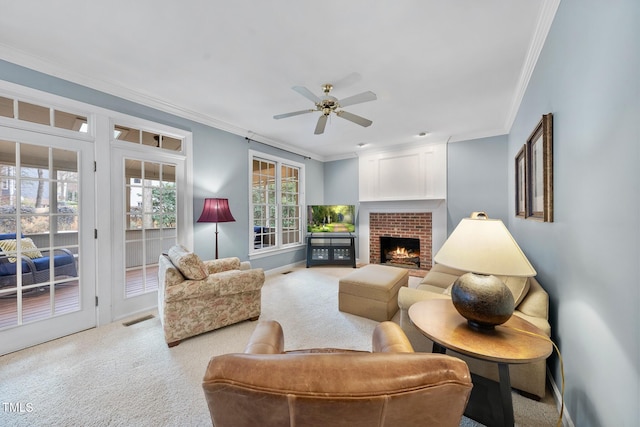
(400, 251)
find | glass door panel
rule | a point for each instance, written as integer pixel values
(40, 245)
(150, 221)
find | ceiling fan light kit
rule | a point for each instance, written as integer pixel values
(329, 104)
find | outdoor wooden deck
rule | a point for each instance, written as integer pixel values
(38, 304)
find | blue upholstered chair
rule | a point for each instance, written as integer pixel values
(37, 269)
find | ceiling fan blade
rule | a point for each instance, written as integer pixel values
(307, 94)
(354, 118)
(295, 113)
(357, 99)
(322, 122)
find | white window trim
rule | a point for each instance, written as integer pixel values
(279, 249)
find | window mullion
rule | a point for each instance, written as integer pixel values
(279, 204)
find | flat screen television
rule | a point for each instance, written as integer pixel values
(331, 218)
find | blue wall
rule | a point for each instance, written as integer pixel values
(341, 185)
(220, 162)
(588, 259)
(341, 182)
(478, 173)
(477, 179)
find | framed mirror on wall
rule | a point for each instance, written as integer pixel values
(521, 177)
(534, 173)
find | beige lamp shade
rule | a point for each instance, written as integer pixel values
(484, 246)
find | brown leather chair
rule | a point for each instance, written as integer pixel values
(393, 386)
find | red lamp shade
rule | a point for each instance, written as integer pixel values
(216, 210)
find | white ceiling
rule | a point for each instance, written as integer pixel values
(453, 68)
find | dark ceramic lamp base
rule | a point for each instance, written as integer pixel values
(484, 300)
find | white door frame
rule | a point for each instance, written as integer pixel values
(99, 264)
(23, 336)
(121, 306)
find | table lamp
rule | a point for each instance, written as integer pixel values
(485, 248)
(216, 210)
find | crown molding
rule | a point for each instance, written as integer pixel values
(548, 11)
(41, 65)
(477, 135)
(278, 144)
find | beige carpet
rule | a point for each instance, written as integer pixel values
(126, 376)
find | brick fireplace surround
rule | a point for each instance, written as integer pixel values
(416, 225)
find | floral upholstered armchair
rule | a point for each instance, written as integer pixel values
(196, 296)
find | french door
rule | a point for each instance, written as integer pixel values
(146, 218)
(47, 270)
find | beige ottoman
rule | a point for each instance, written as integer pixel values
(372, 291)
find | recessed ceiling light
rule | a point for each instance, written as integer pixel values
(422, 134)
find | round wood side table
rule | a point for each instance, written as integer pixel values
(439, 321)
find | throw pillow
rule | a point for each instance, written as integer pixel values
(447, 291)
(519, 287)
(189, 264)
(28, 248)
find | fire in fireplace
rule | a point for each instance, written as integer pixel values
(400, 251)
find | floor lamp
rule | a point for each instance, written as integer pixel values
(216, 210)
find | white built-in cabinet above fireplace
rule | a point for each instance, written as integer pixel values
(416, 173)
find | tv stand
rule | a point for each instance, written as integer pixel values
(331, 249)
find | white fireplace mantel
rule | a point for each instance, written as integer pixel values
(437, 207)
(415, 173)
(407, 180)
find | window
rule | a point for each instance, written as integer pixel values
(42, 189)
(151, 139)
(51, 152)
(277, 202)
(43, 115)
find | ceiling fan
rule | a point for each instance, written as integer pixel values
(329, 104)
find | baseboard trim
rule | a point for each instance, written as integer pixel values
(567, 421)
(284, 268)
